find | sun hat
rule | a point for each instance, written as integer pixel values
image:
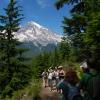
(83, 65)
(60, 67)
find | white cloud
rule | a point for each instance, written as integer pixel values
(42, 3)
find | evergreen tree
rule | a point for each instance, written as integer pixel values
(93, 28)
(64, 49)
(83, 27)
(74, 27)
(9, 24)
(14, 74)
(78, 7)
(55, 58)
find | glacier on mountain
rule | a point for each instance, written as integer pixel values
(37, 34)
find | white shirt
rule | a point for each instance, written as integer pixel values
(56, 74)
(50, 75)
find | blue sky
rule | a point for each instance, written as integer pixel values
(42, 12)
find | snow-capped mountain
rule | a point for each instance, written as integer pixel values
(36, 36)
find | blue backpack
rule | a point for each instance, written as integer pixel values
(74, 93)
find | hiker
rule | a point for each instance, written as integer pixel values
(56, 75)
(61, 73)
(55, 78)
(45, 78)
(90, 82)
(84, 67)
(69, 86)
(50, 76)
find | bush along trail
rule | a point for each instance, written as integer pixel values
(31, 92)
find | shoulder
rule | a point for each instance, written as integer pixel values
(85, 78)
(86, 75)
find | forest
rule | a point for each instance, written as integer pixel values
(80, 41)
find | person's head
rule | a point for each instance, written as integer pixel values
(60, 67)
(84, 67)
(71, 76)
(51, 70)
(93, 64)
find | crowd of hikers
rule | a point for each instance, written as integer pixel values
(53, 76)
(69, 86)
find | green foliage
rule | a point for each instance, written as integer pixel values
(40, 63)
(73, 25)
(73, 30)
(46, 60)
(14, 74)
(64, 49)
(93, 28)
(9, 23)
(20, 78)
(29, 92)
(60, 3)
(82, 29)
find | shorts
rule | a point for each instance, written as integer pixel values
(50, 82)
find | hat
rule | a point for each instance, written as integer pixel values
(84, 65)
(60, 67)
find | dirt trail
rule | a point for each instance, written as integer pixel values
(46, 94)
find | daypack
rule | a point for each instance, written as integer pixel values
(54, 76)
(45, 74)
(73, 92)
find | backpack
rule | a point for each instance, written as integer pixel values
(74, 93)
(94, 86)
(54, 76)
(45, 74)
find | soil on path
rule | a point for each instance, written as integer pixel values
(46, 94)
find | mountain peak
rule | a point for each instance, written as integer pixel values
(37, 34)
(33, 23)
